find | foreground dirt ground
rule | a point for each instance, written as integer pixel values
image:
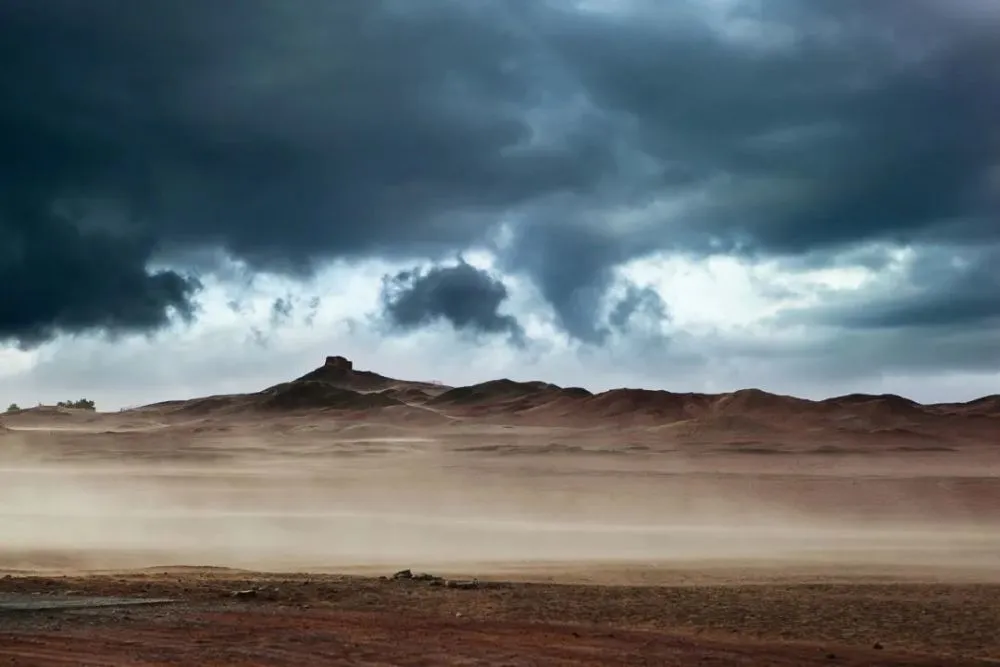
(338, 620)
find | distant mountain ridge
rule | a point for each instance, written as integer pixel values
(338, 389)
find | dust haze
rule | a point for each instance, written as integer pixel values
(113, 492)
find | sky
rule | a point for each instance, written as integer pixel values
(697, 195)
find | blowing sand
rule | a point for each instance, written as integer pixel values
(613, 524)
(269, 502)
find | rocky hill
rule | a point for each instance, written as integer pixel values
(337, 389)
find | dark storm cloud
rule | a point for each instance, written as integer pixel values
(802, 130)
(637, 302)
(466, 297)
(943, 287)
(59, 278)
(572, 266)
(282, 133)
(884, 127)
(288, 133)
(940, 311)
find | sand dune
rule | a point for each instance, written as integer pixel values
(338, 390)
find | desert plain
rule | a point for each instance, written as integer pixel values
(539, 525)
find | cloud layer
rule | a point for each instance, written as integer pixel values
(142, 148)
(466, 297)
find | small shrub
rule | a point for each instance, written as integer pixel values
(82, 404)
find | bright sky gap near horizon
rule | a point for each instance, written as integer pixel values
(800, 196)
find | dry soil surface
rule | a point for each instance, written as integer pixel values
(335, 620)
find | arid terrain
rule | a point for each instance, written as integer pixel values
(567, 528)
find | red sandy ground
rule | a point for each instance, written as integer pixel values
(327, 620)
(386, 638)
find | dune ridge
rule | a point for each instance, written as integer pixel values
(338, 390)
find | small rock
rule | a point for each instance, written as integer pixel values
(877, 646)
(462, 585)
(243, 595)
(403, 574)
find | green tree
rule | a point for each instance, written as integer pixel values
(82, 404)
(13, 407)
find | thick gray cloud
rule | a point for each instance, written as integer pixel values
(466, 297)
(572, 265)
(282, 133)
(945, 287)
(286, 134)
(57, 277)
(820, 126)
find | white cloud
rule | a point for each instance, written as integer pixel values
(729, 293)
